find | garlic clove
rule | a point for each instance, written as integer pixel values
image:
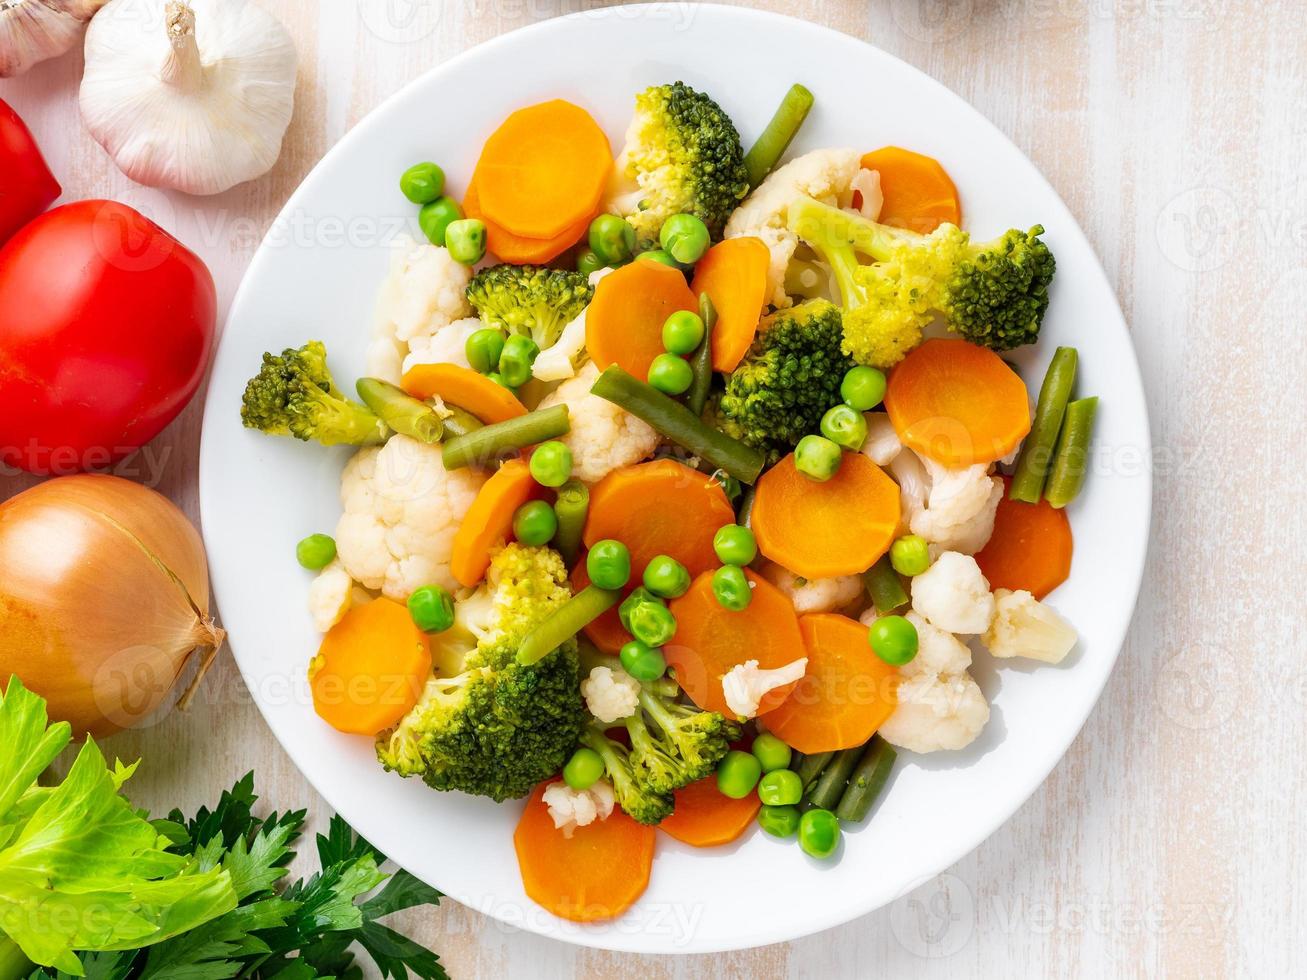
(34, 30)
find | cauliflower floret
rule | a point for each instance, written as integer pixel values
(402, 508)
(571, 808)
(331, 594)
(914, 486)
(744, 685)
(448, 345)
(867, 184)
(882, 445)
(1025, 627)
(953, 594)
(826, 175)
(960, 508)
(814, 595)
(603, 437)
(611, 694)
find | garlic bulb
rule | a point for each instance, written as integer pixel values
(33, 30)
(199, 102)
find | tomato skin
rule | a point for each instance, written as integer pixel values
(28, 187)
(106, 325)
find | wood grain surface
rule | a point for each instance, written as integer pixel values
(1169, 841)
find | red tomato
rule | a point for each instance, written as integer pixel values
(28, 187)
(106, 323)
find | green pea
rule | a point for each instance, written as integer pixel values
(436, 216)
(316, 551)
(780, 788)
(483, 348)
(515, 360)
(670, 374)
(844, 427)
(779, 821)
(534, 523)
(817, 458)
(588, 261)
(498, 379)
(609, 564)
(819, 833)
(735, 545)
(893, 639)
(432, 609)
(737, 774)
(910, 555)
(666, 577)
(659, 256)
(772, 753)
(584, 769)
(863, 388)
(466, 240)
(647, 618)
(641, 661)
(551, 463)
(422, 183)
(612, 239)
(683, 332)
(731, 588)
(684, 237)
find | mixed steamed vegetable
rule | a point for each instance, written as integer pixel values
(684, 481)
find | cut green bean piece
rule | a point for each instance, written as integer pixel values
(767, 151)
(1071, 462)
(565, 622)
(571, 507)
(459, 421)
(676, 422)
(884, 586)
(828, 789)
(867, 781)
(1036, 457)
(812, 766)
(701, 360)
(483, 446)
(401, 411)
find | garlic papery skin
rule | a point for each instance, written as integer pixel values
(33, 30)
(198, 100)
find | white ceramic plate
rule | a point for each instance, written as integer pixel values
(316, 276)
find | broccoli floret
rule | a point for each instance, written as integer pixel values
(496, 728)
(682, 156)
(994, 294)
(682, 746)
(634, 797)
(787, 381)
(530, 300)
(294, 395)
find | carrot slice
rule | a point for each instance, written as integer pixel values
(734, 275)
(659, 508)
(846, 694)
(1030, 548)
(457, 385)
(706, 817)
(957, 403)
(516, 249)
(624, 321)
(597, 873)
(919, 194)
(711, 639)
(370, 669)
(822, 529)
(606, 632)
(489, 521)
(543, 169)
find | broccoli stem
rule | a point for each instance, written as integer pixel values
(571, 507)
(481, 446)
(701, 362)
(401, 411)
(565, 622)
(1071, 463)
(867, 781)
(833, 233)
(883, 586)
(767, 151)
(1036, 457)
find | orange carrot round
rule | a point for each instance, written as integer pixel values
(543, 170)
(516, 249)
(597, 873)
(659, 508)
(607, 632)
(1030, 548)
(822, 529)
(919, 194)
(734, 275)
(624, 321)
(957, 403)
(711, 639)
(370, 669)
(457, 385)
(706, 817)
(489, 521)
(846, 694)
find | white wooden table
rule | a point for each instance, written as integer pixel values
(1170, 841)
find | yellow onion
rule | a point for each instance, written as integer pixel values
(104, 599)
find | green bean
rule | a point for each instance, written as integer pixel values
(1036, 457)
(401, 411)
(812, 766)
(701, 360)
(828, 789)
(1071, 462)
(565, 622)
(481, 446)
(776, 138)
(571, 506)
(744, 512)
(884, 586)
(459, 421)
(867, 781)
(674, 421)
